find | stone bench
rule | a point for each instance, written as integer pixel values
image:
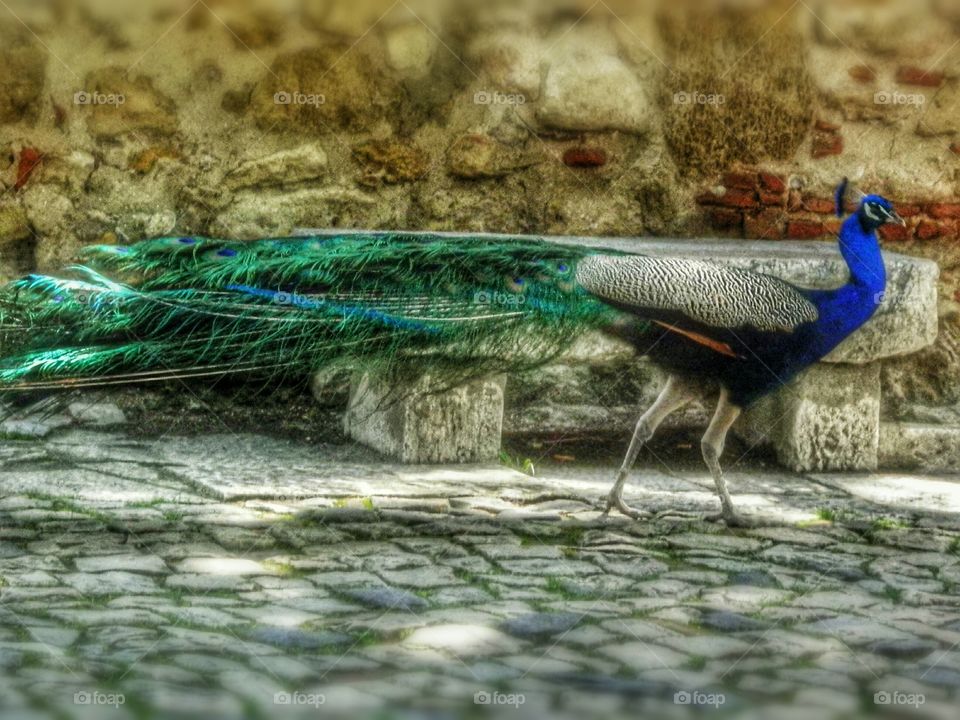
(828, 418)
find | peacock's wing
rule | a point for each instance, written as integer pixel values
(695, 293)
(187, 307)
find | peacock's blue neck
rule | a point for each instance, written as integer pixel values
(861, 251)
(844, 310)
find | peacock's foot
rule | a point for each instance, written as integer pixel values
(736, 520)
(731, 518)
(615, 500)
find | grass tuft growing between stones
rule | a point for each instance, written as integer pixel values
(476, 581)
(64, 504)
(570, 536)
(893, 594)
(515, 462)
(559, 586)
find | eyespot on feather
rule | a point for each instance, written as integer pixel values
(170, 244)
(515, 284)
(221, 255)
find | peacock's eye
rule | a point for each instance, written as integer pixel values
(563, 267)
(226, 252)
(187, 240)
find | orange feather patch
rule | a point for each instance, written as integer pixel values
(715, 345)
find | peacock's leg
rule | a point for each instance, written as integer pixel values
(675, 394)
(712, 447)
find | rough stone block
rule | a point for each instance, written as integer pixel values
(827, 418)
(599, 92)
(461, 425)
(919, 446)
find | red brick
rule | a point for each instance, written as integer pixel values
(773, 183)
(832, 226)
(805, 229)
(768, 198)
(826, 144)
(862, 73)
(907, 210)
(949, 228)
(943, 210)
(725, 219)
(29, 159)
(768, 224)
(826, 126)
(585, 157)
(893, 232)
(731, 198)
(929, 230)
(819, 205)
(913, 75)
(740, 180)
(955, 148)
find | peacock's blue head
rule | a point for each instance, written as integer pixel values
(875, 211)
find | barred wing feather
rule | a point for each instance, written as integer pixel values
(704, 292)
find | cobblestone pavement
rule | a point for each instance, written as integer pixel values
(233, 576)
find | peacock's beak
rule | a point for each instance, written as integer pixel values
(894, 218)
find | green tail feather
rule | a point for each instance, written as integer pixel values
(457, 308)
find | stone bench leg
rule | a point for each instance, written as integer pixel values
(828, 418)
(461, 425)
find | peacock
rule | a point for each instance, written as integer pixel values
(453, 308)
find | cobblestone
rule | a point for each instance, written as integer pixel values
(220, 597)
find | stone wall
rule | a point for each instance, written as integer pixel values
(120, 121)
